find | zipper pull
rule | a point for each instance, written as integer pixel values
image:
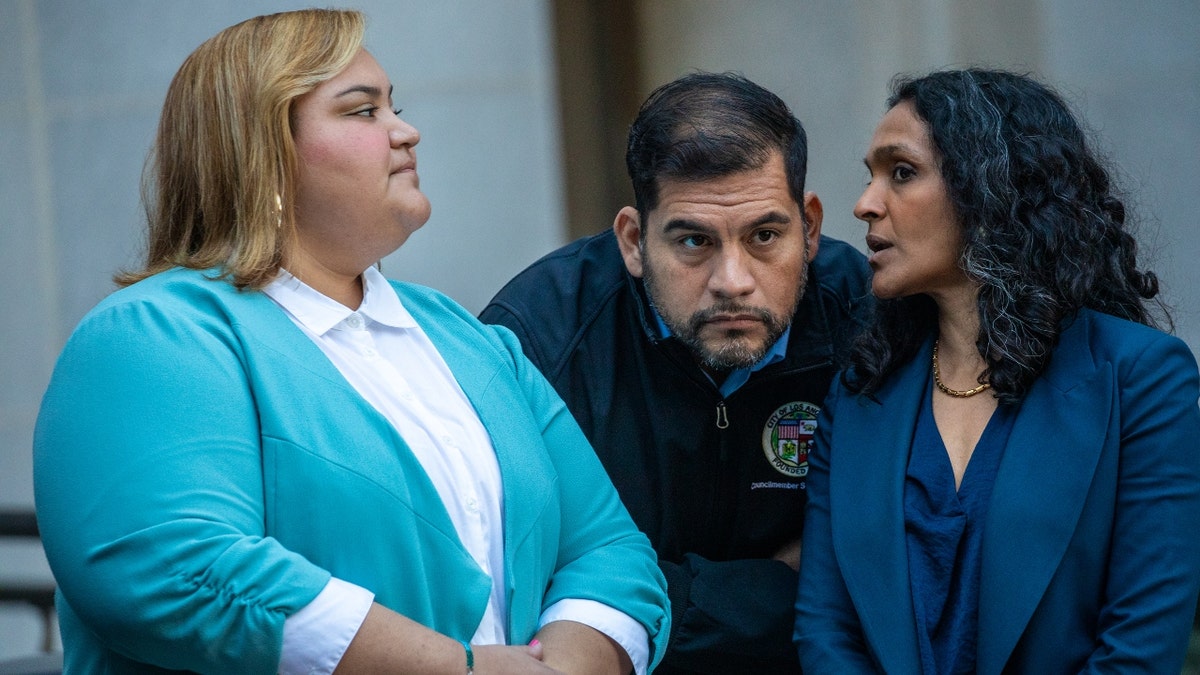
(722, 419)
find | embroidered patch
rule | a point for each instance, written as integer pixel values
(788, 436)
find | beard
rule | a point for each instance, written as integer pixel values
(731, 349)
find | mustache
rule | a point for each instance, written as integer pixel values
(729, 308)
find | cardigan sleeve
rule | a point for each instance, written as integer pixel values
(149, 488)
(1153, 575)
(602, 556)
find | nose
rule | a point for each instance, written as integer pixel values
(869, 206)
(403, 134)
(731, 276)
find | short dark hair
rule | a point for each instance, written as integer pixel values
(1044, 232)
(708, 125)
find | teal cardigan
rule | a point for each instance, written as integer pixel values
(201, 469)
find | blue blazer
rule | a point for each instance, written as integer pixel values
(201, 469)
(1091, 549)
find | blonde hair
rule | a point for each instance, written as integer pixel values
(219, 183)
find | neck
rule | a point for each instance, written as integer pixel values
(958, 320)
(342, 288)
(958, 330)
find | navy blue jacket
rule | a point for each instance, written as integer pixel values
(716, 483)
(1091, 559)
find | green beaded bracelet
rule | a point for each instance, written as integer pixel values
(470, 658)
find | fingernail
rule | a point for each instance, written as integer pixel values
(534, 643)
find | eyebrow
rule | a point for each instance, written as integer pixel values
(689, 225)
(373, 92)
(886, 151)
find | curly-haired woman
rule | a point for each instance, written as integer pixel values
(1008, 477)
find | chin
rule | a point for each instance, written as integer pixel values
(736, 351)
(411, 221)
(883, 291)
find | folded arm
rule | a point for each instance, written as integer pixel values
(1154, 560)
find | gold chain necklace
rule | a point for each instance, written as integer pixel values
(937, 379)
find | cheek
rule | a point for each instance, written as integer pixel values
(677, 288)
(342, 153)
(784, 286)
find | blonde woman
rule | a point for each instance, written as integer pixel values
(262, 456)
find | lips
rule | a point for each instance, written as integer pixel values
(734, 322)
(875, 243)
(407, 162)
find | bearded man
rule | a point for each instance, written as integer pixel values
(694, 342)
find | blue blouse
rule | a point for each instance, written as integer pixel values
(944, 534)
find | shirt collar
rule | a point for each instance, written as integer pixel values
(320, 313)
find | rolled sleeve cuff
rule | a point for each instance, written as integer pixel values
(315, 637)
(614, 623)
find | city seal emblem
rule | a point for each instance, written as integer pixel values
(788, 436)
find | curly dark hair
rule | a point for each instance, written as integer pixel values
(1044, 231)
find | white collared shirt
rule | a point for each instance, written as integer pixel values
(390, 361)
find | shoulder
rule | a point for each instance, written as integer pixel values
(1128, 347)
(841, 271)
(1115, 337)
(561, 295)
(174, 285)
(186, 299)
(426, 300)
(839, 289)
(584, 269)
(450, 324)
(174, 322)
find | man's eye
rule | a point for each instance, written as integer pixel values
(692, 241)
(765, 236)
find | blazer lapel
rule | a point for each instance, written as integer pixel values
(869, 462)
(1041, 485)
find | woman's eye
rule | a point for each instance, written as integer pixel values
(367, 112)
(902, 173)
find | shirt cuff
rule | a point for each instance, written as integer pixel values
(614, 623)
(315, 637)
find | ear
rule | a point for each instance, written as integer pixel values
(628, 228)
(813, 213)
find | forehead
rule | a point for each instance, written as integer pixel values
(761, 188)
(901, 131)
(363, 69)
